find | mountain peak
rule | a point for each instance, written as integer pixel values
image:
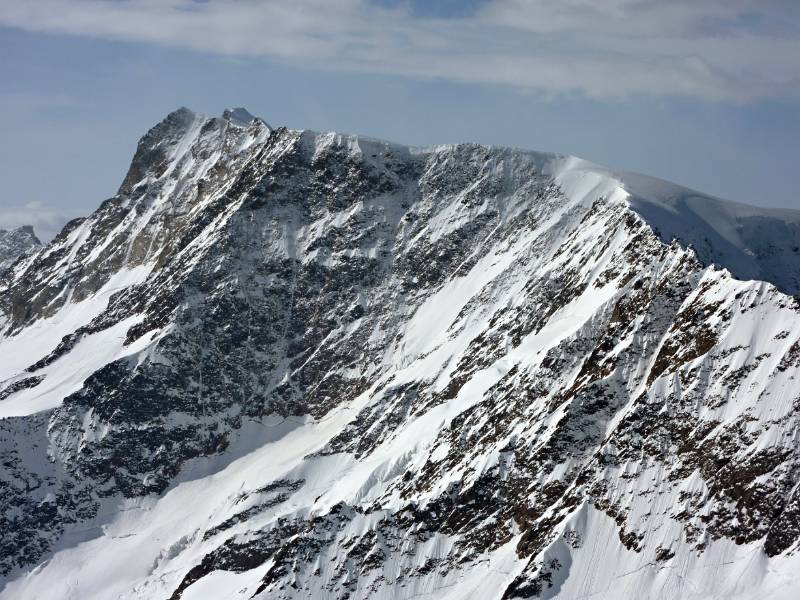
(296, 365)
(28, 230)
(16, 242)
(240, 117)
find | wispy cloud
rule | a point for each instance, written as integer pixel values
(730, 50)
(46, 220)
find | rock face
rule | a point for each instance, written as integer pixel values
(284, 364)
(15, 243)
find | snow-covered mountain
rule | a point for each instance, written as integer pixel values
(288, 364)
(16, 242)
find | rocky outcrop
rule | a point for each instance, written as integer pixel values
(15, 243)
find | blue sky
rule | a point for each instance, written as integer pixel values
(704, 93)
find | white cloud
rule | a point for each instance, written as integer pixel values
(46, 220)
(733, 50)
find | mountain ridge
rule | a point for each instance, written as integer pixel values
(373, 370)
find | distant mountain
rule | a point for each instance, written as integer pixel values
(289, 364)
(15, 243)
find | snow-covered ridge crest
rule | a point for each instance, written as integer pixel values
(285, 364)
(751, 242)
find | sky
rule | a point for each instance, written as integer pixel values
(705, 93)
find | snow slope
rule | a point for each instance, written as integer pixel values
(285, 364)
(751, 242)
